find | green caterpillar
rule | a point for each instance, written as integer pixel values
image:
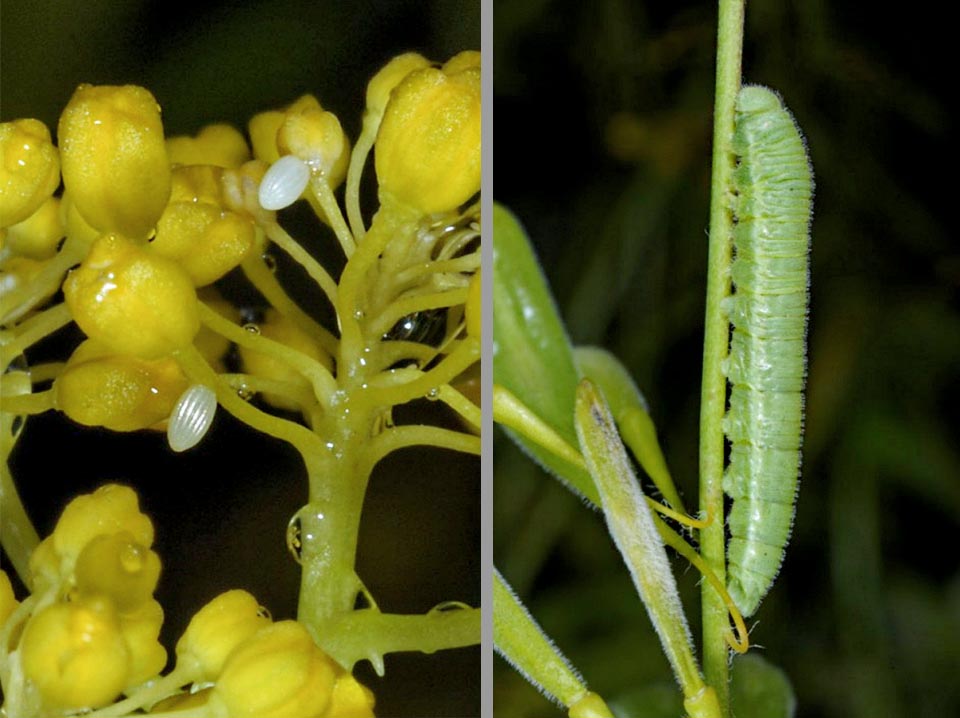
(766, 367)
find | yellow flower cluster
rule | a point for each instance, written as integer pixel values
(93, 628)
(88, 632)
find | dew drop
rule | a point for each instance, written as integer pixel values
(433, 394)
(297, 537)
(131, 558)
(252, 328)
(294, 544)
(447, 606)
(245, 392)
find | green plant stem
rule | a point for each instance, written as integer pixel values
(17, 534)
(369, 634)
(715, 346)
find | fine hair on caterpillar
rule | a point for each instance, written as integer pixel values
(766, 366)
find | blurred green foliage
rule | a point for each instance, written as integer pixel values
(224, 61)
(603, 120)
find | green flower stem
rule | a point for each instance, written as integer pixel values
(301, 438)
(417, 303)
(402, 437)
(151, 692)
(279, 236)
(324, 385)
(715, 345)
(33, 330)
(466, 263)
(17, 302)
(455, 363)
(358, 158)
(323, 194)
(509, 411)
(25, 404)
(467, 410)
(369, 634)
(264, 280)
(631, 525)
(390, 353)
(17, 534)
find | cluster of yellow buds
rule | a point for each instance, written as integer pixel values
(255, 667)
(136, 230)
(88, 633)
(90, 628)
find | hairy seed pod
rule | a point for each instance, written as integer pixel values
(767, 363)
(191, 417)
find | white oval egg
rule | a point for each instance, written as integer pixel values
(283, 183)
(191, 417)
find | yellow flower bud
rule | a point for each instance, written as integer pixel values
(388, 77)
(278, 673)
(117, 391)
(8, 602)
(140, 630)
(263, 129)
(350, 699)
(217, 629)
(279, 328)
(315, 136)
(132, 300)
(78, 229)
(428, 146)
(201, 237)
(39, 234)
(197, 183)
(466, 60)
(75, 655)
(110, 509)
(44, 566)
(221, 145)
(119, 567)
(241, 188)
(474, 306)
(114, 158)
(29, 169)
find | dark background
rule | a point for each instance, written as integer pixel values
(221, 510)
(603, 123)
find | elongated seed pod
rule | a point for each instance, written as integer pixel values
(767, 363)
(191, 418)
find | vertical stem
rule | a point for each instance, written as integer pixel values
(715, 345)
(330, 521)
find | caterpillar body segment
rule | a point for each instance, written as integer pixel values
(766, 367)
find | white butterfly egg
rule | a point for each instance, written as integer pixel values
(191, 417)
(283, 183)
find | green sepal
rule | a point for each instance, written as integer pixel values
(630, 411)
(532, 356)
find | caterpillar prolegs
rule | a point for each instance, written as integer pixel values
(766, 367)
